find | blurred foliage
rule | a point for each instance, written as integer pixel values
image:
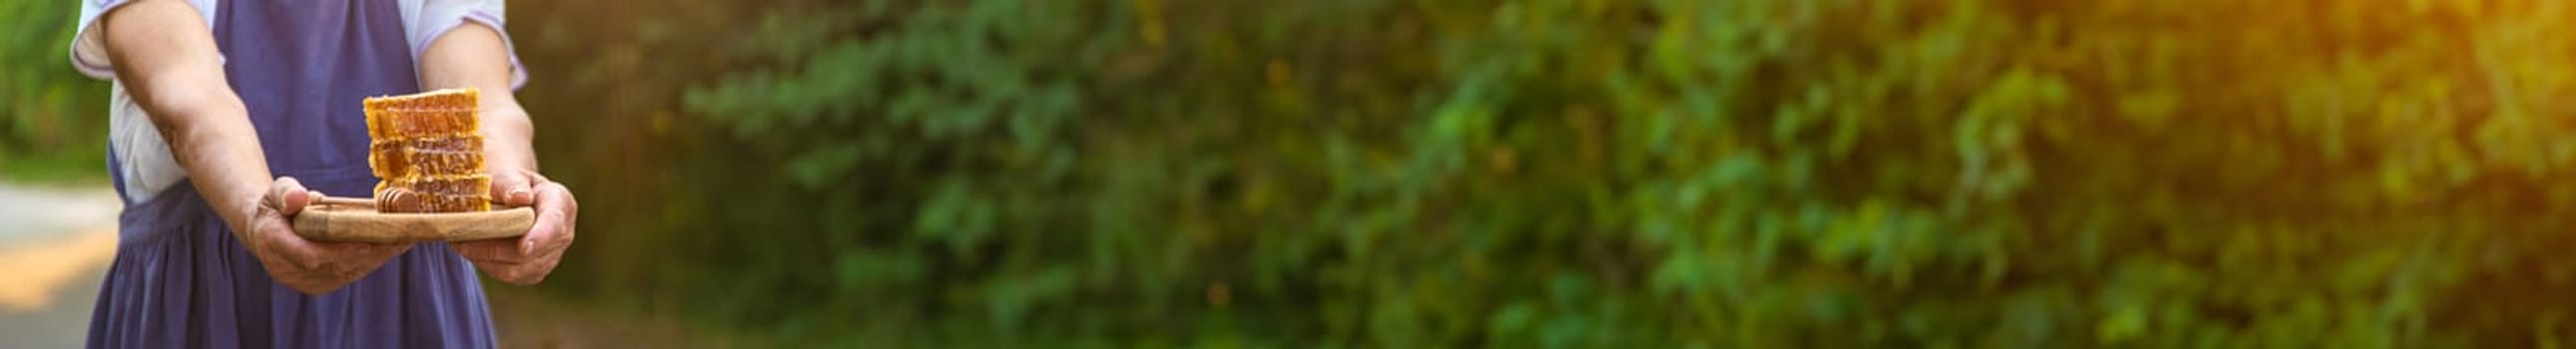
(1568, 173)
(1657, 173)
(53, 121)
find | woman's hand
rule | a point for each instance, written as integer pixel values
(475, 55)
(312, 267)
(526, 259)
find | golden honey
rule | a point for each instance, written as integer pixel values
(426, 149)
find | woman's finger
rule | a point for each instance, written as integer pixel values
(276, 239)
(535, 272)
(516, 269)
(290, 250)
(513, 188)
(556, 212)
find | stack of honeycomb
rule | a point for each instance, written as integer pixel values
(427, 151)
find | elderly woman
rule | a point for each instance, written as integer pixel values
(229, 116)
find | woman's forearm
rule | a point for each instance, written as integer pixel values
(474, 56)
(166, 57)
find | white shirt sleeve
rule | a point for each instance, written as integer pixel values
(146, 167)
(89, 46)
(425, 20)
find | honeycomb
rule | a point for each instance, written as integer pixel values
(404, 158)
(426, 150)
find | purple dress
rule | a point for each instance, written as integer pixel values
(181, 280)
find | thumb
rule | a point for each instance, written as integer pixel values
(288, 196)
(514, 188)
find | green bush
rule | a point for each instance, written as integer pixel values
(53, 121)
(1652, 173)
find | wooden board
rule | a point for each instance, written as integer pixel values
(351, 223)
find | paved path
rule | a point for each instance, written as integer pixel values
(55, 243)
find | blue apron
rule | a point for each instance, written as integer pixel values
(181, 280)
